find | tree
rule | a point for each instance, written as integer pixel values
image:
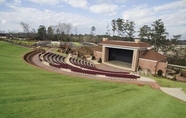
(119, 28)
(113, 23)
(33, 34)
(25, 28)
(123, 27)
(50, 33)
(128, 28)
(63, 30)
(175, 39)
(108, 30)
(173, 47)
(92, 30)
(42, 32)
(145, 32)
(158, 33)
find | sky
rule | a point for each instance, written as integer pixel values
(83, 14)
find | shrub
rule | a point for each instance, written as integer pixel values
(100, 60)
(93, 57)
(160, 72)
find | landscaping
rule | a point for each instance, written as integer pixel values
(170, 83)
(31, 92)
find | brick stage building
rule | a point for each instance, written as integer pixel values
(133, 56)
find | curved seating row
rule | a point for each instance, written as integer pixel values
(82, 63)
(93, 70)
(87, 65)
(28, 56)
(53, 58)
(82, 66)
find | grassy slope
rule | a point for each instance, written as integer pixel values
(26, 91)
(170, 83)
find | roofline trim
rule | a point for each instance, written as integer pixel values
(148, 60)
(125, 47)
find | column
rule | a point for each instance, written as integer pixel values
(135, 59)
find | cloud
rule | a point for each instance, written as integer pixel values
(50, 2)
(2, 1)
(35, 17)
(103, 8)
(172, 14)
(171, 6)
(77, 3)
(136, 13)
(17, 2)
(3, 21)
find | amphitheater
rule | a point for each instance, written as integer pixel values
(84, 68)
(87, 69)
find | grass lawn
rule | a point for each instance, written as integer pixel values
(77, 44)
(169, 83)
(29, 92)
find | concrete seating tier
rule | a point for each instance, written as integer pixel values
(82, 66)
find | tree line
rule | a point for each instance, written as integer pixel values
(61, 31)
(155, 34)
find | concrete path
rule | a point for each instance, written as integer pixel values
(146, 79)
(175, 92)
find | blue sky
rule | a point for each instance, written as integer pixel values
(83, 14)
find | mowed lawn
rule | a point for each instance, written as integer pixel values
(29, 92)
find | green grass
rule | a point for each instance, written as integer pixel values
(59, 53)
(170, 83)
(29, 92)
(77, 44)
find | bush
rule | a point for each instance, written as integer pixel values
(160, 72)
(93, 57)
(100, 60)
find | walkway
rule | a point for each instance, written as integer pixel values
(175, 92)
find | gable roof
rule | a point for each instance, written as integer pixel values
(125, 43)
(153, 55)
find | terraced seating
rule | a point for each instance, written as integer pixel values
(82, 66)
(28, 57)
(45, 56)
(82, 63)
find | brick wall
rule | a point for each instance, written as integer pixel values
(151, 65)
(97, 54)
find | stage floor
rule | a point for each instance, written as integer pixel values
(120, 64)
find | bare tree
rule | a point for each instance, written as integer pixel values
(33, 34)
(64, 30)
(25, 28)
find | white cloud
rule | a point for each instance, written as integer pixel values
(3, 21)
(17, 2)
(172, 14)
(50, 2)
(2, 1)
(138, 12)
(103, 8)
(10, 20)
(74, 3)
(171, 6)
(77, 3)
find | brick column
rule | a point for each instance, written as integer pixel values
(103, 54)
(135, 59)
